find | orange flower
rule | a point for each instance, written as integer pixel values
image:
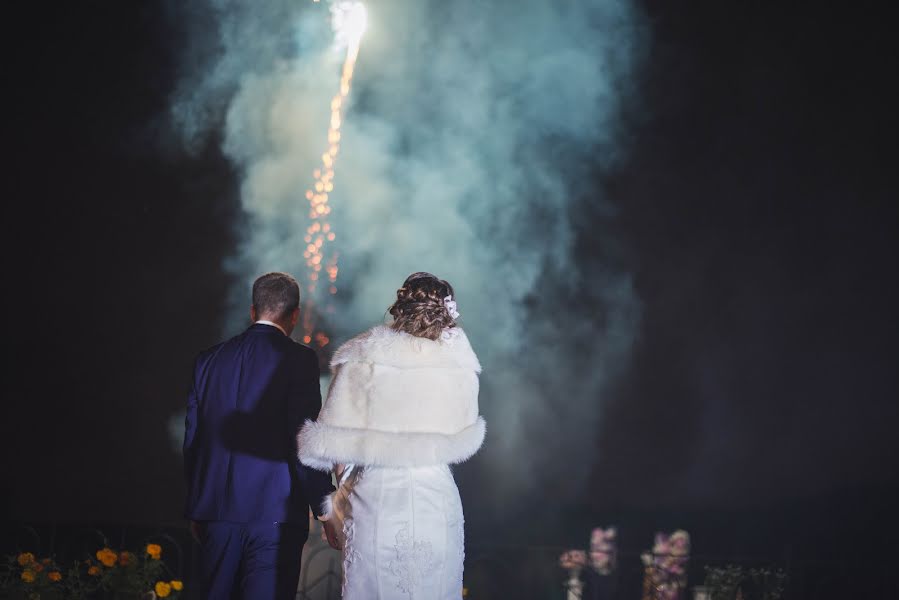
(54, 576)
(94, 570)
(163, 589)
(37, 567)
(107, 557)
(46, 562)
(28, 576)
(177, 585)
(126, 558)
(26, 558)
(154, 550)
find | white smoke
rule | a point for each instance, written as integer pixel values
(471, 130)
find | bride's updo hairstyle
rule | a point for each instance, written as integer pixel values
(419, 308)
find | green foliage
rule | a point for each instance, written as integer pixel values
(724, 583)
(767, 584)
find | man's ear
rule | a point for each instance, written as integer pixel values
(294, 317)
(253, 313)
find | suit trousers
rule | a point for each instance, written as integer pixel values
(250, 561)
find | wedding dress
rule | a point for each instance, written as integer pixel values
(399, 411)
(403, 534)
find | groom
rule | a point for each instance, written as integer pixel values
(248, 496)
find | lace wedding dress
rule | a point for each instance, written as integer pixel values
(399, 411)
(403, 530)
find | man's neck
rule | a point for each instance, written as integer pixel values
(272, 323)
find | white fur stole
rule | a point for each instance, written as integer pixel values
(397, 400)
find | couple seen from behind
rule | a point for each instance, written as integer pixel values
(260, 449)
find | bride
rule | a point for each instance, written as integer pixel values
(402, 406)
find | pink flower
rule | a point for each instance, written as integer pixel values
(600, 559)
(680, 542)
(573, 559)
(603, 536)
(668, 561)
(661, 544)
(603, 539)
(676, 568)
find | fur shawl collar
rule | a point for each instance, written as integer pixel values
(386, 346)
(397, 400)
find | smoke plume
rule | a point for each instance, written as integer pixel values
(471, 149)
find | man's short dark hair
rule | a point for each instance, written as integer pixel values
(276, 295)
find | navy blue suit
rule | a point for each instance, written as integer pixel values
(246, 487)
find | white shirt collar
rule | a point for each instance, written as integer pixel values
(272, 324)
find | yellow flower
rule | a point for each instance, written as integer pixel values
(107, 557)
(28, 576)
(54, 576)
(26, 558)
(94, 570)
(154, 550)
(177, 585)
(163, 589)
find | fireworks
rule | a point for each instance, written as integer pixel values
(348, 20)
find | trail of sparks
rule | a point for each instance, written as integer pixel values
(348, 21)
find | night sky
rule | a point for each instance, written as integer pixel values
(756, 210)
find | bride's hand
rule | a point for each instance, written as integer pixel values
(331, 534)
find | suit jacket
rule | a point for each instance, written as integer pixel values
(249, 397)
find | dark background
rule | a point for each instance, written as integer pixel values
(757, 211)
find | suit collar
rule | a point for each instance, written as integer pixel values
(265, 328)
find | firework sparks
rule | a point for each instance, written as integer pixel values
(348, 20)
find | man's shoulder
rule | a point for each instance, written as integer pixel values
(204, 355)
(304, 357)
(302, 351)
(226, 346)
(287, 346)
(280, 343)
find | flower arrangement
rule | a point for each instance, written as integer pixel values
(603, 550)
(122, 573)
(572, 560)
(31, 576)
(665, 567)
(601, 559)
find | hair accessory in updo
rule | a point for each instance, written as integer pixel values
(450, 305)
